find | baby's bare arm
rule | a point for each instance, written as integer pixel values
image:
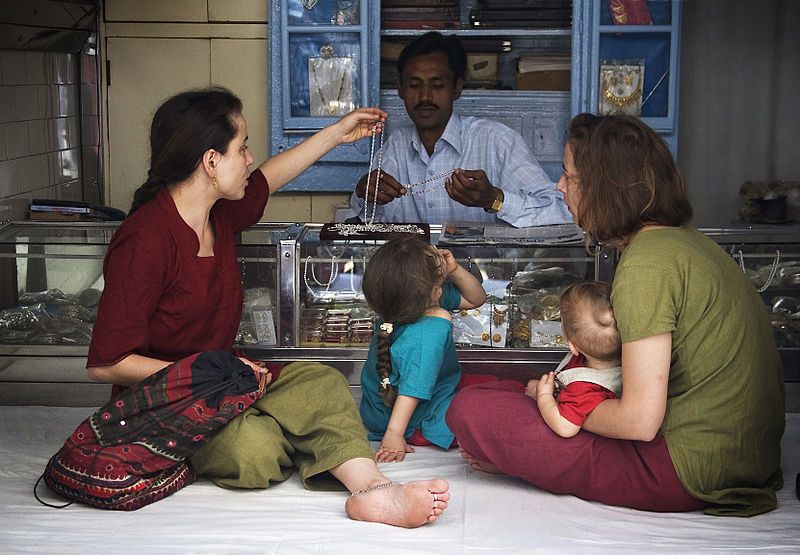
(548, 407)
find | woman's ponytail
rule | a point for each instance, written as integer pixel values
(147, 191)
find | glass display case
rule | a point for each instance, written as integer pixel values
(770, 256)
(303, 300)
(516, 333)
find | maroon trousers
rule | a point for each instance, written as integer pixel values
(495, 422)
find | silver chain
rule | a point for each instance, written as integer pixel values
(371, 220)
(772, 270)
(334, 272)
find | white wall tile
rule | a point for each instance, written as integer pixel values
(3, 149)
(67, 100)
(71, 190)
(13, 67)
(9, 178)
(34, 173)
(64, 68)
(70, 164)
(54, 168)
(36, 67)
(61, 133)
(6, 104)
(26, 102)
(44, 102)
(37, 133)
(17, 139)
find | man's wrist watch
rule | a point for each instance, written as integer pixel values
(498, 202)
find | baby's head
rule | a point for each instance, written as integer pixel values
(400, 278)
(587, 319)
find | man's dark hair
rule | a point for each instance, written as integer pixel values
(436, 42)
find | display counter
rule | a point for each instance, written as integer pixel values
(303, 300)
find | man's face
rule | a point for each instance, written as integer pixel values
(428, 90)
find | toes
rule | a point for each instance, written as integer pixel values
(440, 497)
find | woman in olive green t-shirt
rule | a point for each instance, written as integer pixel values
(701, 416)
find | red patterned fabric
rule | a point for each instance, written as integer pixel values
(132, 451)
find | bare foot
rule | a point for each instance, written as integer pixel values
(478, 464)
(407, 505)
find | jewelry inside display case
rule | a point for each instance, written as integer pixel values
(303, 299)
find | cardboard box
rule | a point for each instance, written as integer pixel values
(481, 67)
(555, 80)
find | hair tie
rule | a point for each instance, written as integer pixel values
(385, 383)
(387, 327)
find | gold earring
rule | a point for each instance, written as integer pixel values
(214, 184)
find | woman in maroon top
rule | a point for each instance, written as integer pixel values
(173, 288)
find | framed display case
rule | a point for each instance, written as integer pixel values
(516, 333)
(611, 34)
(303, 301)
(51, 278)
(320, 68)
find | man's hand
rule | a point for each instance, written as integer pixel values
(388, 188)
(470, 188)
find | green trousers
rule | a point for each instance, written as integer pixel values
(307, 421)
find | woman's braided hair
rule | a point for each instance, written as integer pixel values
(398, 282)
(183, 129)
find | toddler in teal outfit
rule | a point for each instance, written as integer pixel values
(411, 372)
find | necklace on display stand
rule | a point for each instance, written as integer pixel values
(334, 105)
(325, 69)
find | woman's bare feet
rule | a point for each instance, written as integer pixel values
(478, 464)
(407, 505)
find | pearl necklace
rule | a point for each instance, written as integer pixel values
(334, 271)
(434, 178)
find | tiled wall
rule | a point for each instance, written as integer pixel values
(43, 134)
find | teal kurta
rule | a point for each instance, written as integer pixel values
(425, 366)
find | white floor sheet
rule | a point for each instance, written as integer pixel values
(487, 513)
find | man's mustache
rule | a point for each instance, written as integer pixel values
(426, 105)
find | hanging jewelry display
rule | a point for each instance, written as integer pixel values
(309, 4)
(331, 88)
(620, 89)
(331, 279)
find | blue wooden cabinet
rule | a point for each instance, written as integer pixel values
(596, 39)
(325, 56)
(322, 62)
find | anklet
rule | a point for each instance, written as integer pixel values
(386, 485)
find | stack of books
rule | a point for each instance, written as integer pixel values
(420, 14)
(523, 14)
(72, 211)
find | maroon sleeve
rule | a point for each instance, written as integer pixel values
(135, 271)
(243, 213)
(578, 399)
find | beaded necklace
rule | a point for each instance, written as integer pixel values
(408, 187)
